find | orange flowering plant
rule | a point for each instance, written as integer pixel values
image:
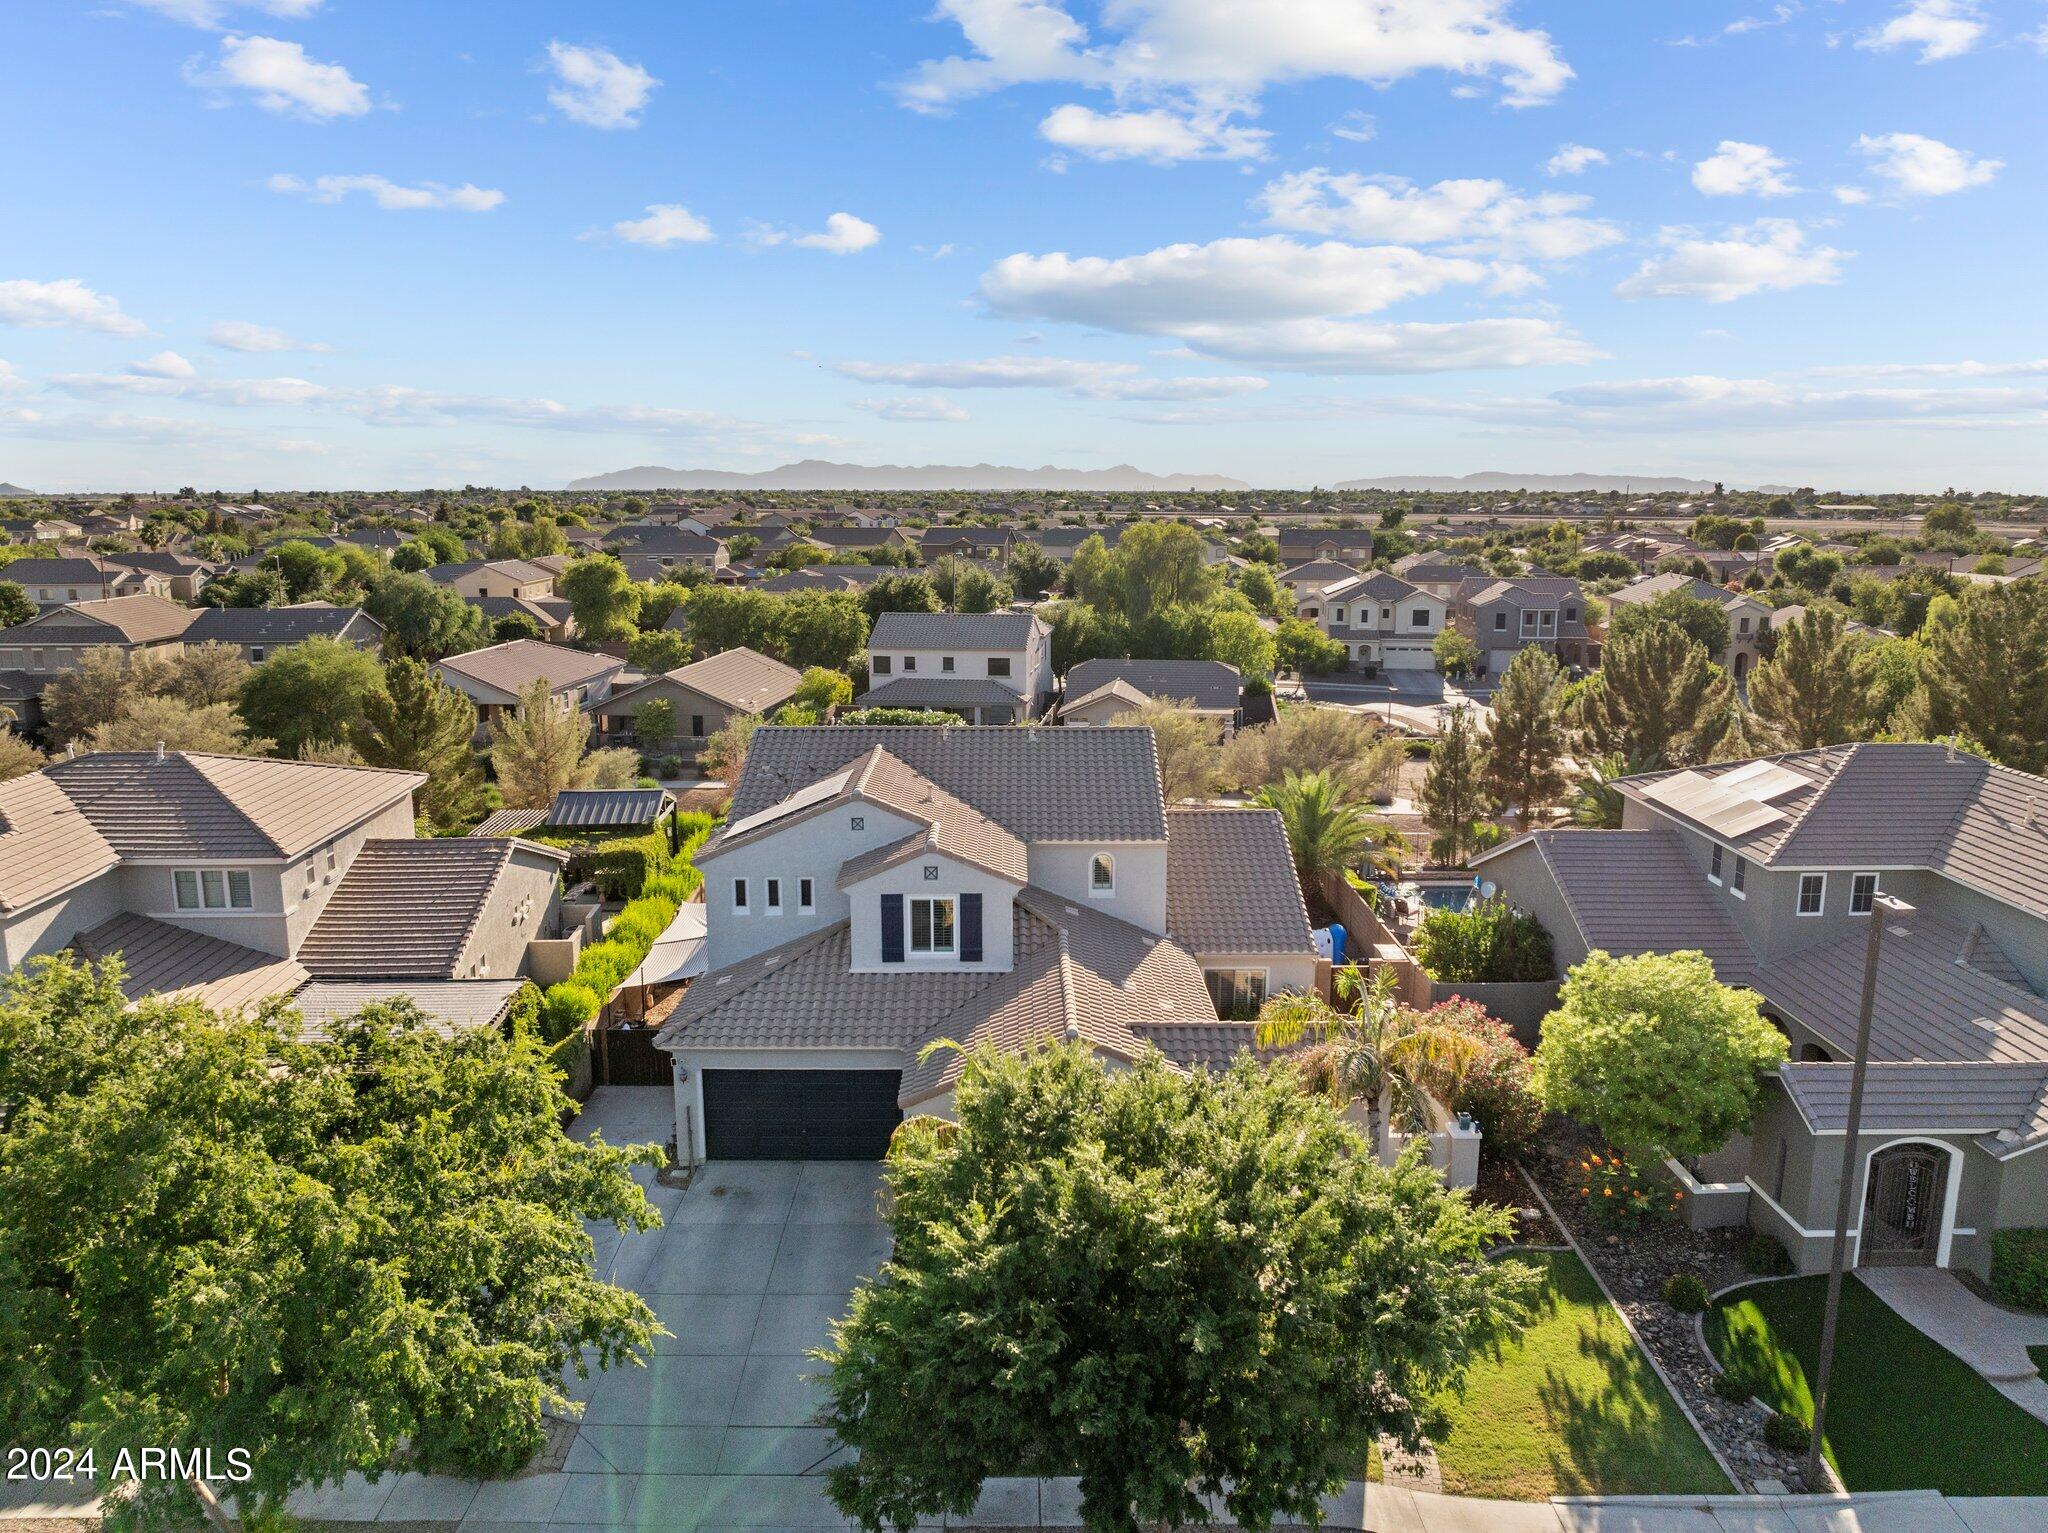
(1615, 1191)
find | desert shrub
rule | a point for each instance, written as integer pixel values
(1685, 1292)
(1763, 1255)
(523, 1015)
(1617, 1192)
(2019, 1267)
(1488, 944)
(1788, 1434)
(1729, 1387)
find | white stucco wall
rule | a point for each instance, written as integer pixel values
(1140, 895)
(954, 878)
(812, 847)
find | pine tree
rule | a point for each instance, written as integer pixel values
(1658, 699)
(1810, 693)
(1987, 673)
(421, 724)
(1454, 790)
(538, 750)
(1526, 741)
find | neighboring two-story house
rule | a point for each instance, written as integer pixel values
(705, 694)
(55, 642)
(1773, 869)
(1103, 691)
(989, 667)
(1346, 545)
(877, 889)
(495, 677)
(236, 880)
(1749, 620)
(989, 545)
(1382, 621)
(646, 551)
(57, 582)
(260, 632)
(1504, 617)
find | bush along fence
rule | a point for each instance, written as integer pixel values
(664, 883)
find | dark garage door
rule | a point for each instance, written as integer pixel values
(799, 1114)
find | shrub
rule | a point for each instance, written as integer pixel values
(566, 1007)
(1730, 1387)
(1764, 1256)
(1685, 1292)
(1495, 1087)
(2019, 1267)
(1616, 1192)
(1788, 1434)
(523, 1015)
(621, 868)
(1488, 944)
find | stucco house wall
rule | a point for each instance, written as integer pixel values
(914, 879)
(1140, 893)
(47, 927)
(522, 907)
(811, 847)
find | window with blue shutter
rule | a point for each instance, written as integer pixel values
(892, 928)
(970, 928)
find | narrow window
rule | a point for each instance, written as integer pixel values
(696, 726)
(187, 883)
(1813, 893)
(1741, 877)
(1862, 894)
(240, 896)
(213, 888)
(775, 896)
(803, 894)
(1714, 866)
(739, 895)
(1778, 1179)
(1102, 874)
(1500, 621)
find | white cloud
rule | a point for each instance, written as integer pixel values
(242, 335)
(1918, 166)
(1736, 169)
(1469, 215)
(1770, 255)
(913, 407)
(1083, 380)
(1940, 29)
(165, 364)
(1573, 160)
(1161, 137)
(597, 88)
(390, 195)
(1277, 302)
(212, 13)
(666, 223)
(11, 382)
(1220, 56)
(2025, 369)
(283, 79)
(1358, 127)
(65, 302)
(843, 234)
(1851, 196)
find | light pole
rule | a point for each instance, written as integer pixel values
(1882, 908)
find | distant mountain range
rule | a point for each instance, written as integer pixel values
(1574, 484)
(14, 489)
(815, 474)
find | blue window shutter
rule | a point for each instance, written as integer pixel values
(892, 928)
(970, 928)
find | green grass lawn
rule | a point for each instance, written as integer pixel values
(1904, 1414)
(2038, 1356)
(1571, 1407)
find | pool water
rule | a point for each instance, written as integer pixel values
(1445, 896)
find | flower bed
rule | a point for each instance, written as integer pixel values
(1634, 1259)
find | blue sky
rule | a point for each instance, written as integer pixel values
(301, 243)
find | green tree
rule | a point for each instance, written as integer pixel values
(602, 596)
(15, 607)
(976, 590)
(246, 588)
(1656, 699)
(900, 593)
(1656, 1053)
(537, 750)
(662, 650)
(207, 673)
(418, 723)
(724, 755)
(1310, 739)
(1297, 1298)
(1157, 564)
(313, 692)
(654, 726)
(1081, 632)
(1303, 649)
(1328, 834)
(725, 617)
(1092, 576)
(1987, 672)
(1454, 798)
(1032, 571)
(1596, 804)
(1704, 622)
(512, 627)
(412, 556)
(328, 1254)
(423, 620)
(1526, 741)
(1804, 565)
(822, 689)
(1257, 585)
(1455, 653)
(17, 757)
(147, 722)
(356, 570)
(822, 628)
(1187, 744)
(1239, 639)
(305, 569)
(1812, 691)
(1949, 520)
(100, 688)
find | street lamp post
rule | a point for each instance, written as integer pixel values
(1882, 907)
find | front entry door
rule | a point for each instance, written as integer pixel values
(1902, 1208)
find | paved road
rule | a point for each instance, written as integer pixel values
(1416, 702)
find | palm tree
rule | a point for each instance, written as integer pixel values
(1326, 830)
(1385, 1055)
(1596, 802)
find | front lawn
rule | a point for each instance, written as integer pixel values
(1571, 1407)
(1905, 1414)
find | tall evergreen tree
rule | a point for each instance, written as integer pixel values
(1454, 790)
(1658, 699)
(1526, 742)
(1811, 692)
(421, 724)
(538, 750)
(1987, 672)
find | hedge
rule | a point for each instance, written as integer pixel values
(621, 868)
(1489, 944)
(2019, 1267)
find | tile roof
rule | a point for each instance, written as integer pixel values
(173, 961)
(1207, 684)
(1038, 784)
(510, 667)
(1212, 1046)
(406, 909)
(939, 692)
(46, 845)
(1654, 586)
(586, 808)
(1326, 570)
(1902, 1098)
(954, 630)
(190, 804)
(516, 570)
(139, 619)
(741, 678)
(450, 1006)
(279, 625)
(1230, 883)
(510, 822)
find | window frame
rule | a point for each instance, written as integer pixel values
(931, 906)
(203, 882)
(806, 895)
(1239, 974)
(1738, 883)
(740, 907)
(879, 665)
(1002, 661)
(1862, 893)
(772, 896)
(1101, 862)
(1818, 882)
(1714, 866)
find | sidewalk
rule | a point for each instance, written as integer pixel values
(1991, 1340)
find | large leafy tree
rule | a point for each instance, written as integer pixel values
(1656, 1053)
(1240, 639)
(1189, 752)
(1657, 699)
(1454, 796)
(1526, 742)
(602, 596)
(1338, 740)
(149, 721)
(1987, 672)
(15, 607)
(305, 569)
(424, 620)
(207, 673)
(1032, 571)
(96, 692)
(901, 593)
(821, 628)
(1177, 1286)
(1812, 691)
(311, 693)
(326, 1254)
(1704, 622)
(419, 723)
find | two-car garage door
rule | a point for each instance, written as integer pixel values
(799, 1114)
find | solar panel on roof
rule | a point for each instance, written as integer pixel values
(1764, 780)
(803, 798)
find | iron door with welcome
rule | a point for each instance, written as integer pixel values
(1902, 1208)
(799, 1114)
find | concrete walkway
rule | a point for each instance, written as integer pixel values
(1991, 1340)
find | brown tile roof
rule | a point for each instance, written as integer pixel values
(450, 1006)
(1204, 1045)
(1230, 883)
(1902, 1098)
(1038, 784)
(173, 961)
(139, 619)
(406, 909)
(740, 678)
(46, 845)
(954, 630)
(189, 804)
(516, 664)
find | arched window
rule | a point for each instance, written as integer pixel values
(1102, 874)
